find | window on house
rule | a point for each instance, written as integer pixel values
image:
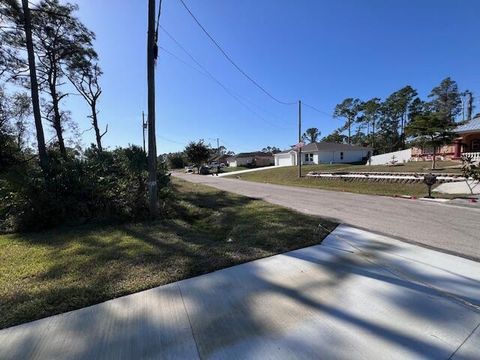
(341, 155)
(475, 145)
(308, 157)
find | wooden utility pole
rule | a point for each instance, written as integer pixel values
(42, 151)
(152, 52)
(299, 152)
(218, 146)
(144, 127)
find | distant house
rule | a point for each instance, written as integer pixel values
(253, 159)
(467, 143)
(219, 159)
(324, 153)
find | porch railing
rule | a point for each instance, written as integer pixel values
(474, 155)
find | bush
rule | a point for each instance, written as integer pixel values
(176, 160)
(106, 186)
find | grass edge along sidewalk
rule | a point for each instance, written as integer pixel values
(43, 274)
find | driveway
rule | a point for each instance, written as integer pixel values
(453, 229)
(247, 171)
(358, 295)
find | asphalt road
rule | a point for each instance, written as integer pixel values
(452, 229)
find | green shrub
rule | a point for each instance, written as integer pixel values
(176, 160)
(99, 186)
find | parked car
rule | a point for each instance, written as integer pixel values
(204, 170)
(189, 169)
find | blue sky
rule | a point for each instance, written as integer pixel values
(318, 51)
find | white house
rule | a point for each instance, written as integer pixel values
(324, 153)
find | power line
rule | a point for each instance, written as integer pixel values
(228, 146)
(316, 109)
(227, 90)
(205, 72)
(158, 20)
(231, 60)
(181, 60)
(170, 140)
(208, 74)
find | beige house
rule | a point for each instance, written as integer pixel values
(468, 143)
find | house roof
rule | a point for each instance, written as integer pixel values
(328, 146)
(220, 157)
(252, 154)
(472, 125)
(283, 152)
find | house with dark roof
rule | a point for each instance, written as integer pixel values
(219, 159)
(251, 159)
(323, 153)
(467, 143)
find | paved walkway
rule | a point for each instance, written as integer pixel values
(455, 229)
(358, 295)
(459, 187)
(247, 171)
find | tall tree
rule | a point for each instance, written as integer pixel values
(271, 149)
(20, 111)
(335, 137)
(19, 17)
(433, 123)
(416, 107)
(84, 76)
(395, 115)
(467, 105)
(59, 39)
(371, 114)
(198, 153)
(11, 22)
(404, 96)
(446, 99)
(4, 110)
(431, 129)
(348, 109)
(311, 135)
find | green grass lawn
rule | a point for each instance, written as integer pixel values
(412, 166)
(232, 169)
(288, 176)
(42, 274)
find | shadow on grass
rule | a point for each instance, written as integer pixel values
(87, 265)
(310, 302)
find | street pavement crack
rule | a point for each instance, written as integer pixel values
(464, 341)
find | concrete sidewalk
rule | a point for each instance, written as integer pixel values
(358, 295)
(247, 171)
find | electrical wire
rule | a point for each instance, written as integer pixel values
(316, 109)
(231, 60)
(170, 140)
(227, 90)
(207, 72)
(228, 146)
(209, 75)
(158, 20)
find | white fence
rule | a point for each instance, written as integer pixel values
(474, 155)
(396, 157)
